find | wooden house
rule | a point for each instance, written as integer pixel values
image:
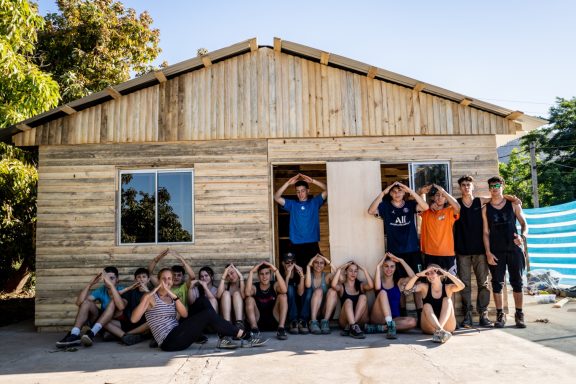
(188, 157)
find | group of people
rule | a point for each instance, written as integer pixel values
(174, 309)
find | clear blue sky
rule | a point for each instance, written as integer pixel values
(519, 54)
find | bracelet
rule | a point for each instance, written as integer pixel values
(176, 298)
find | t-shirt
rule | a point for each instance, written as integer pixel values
(400, 226)
(101, 294)
(182, 293)
(132, 298)
(304, 219)
(436, 232)
(468, 229)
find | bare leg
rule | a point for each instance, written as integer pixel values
(281, 309)
(429, 322)
(347, 314)
(238, 304)
(381, 309)
(518, 299)
(447, 319)
(331, 300)
(87, 311)
(315, 303)
(214, 303)
(498, 300)
(144, 328)
(225, 306)
(114, 328)
(252, 313)
(404, 323)
(361, 311)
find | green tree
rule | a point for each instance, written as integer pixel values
(94, 44)
(24, 89)
(18, 183)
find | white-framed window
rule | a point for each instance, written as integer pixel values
(156, 206)
(430, 172)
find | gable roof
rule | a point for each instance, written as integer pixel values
(291, 48)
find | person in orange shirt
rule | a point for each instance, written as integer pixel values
(436, 232)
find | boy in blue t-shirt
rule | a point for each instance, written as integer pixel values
(111, 305)
(304, 218)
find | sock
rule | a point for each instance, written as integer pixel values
(75, 331)
(498, 311)
(388, 319)
(96, 328)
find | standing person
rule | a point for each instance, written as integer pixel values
(318, 284)
(111, 306)
(163, 308)
(181, 282)
(298, 303)
(266, 302)
(399, 216)
(386, 308)
(304, 218)
(204, 287)
(352, 293)
(231, 295)
(504, 248)
(438, 317)
(437, 230)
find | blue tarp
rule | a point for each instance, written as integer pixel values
(552, 240)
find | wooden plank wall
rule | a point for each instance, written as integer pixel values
(266, 94)
(76, 214)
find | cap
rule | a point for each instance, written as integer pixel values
(288, 256)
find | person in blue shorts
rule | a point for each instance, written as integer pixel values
(304, 225)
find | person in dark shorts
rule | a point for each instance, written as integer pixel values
(266, 302)
(504, 248)
(304, 228)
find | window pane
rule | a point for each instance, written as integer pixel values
(174, 207)
(424, 174)
(138, 204)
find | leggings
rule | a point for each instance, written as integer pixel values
(183, 335)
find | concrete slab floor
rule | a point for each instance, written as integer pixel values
(543, 352)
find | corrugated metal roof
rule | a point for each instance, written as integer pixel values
(240, 48)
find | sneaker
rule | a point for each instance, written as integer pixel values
(519, 318)
(444, 336)
(255, 332)
(345, 331)
(437, 336)
(107, 337)
(500, 320)
(202, 339)
(293, 328)
(87, 339)
(391, 332)
(226, 342)
(374, 328)
(251, 339)
(315, 327)
(131, 339)
(303, 328)
(467, 322)
(325, 327)
(68, 341)
(484, 321)
(356, 332)
(281, 334)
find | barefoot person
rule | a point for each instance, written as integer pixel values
(386, 309)
(438, 317)
(163, 308)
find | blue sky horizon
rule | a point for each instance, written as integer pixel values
(516, 54)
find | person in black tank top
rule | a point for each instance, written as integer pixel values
(354, 311)
(438, 317)
(504, 248)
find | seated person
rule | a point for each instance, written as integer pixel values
(266, 302)
(204, 287)
(386, 309)
(318, 284)
(438, 311)
(298, 304)
(352, 293)
(111, 306)
(181, 282)
(231, 295)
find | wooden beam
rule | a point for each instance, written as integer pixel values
(206, 61)
(324, 58)
(114, 93)
(278, 44)
(159, 75)
(253, 45)
(68, 110)
(23, 127)
(466, 102)
(419, 87)
(514, 115)
(372, 72)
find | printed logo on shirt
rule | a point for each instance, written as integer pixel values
(400, 221)
(441, 217)
(303, 208)
(406, 210)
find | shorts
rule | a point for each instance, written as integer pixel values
(304, 252)
(413, 259)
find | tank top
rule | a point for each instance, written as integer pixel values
(502, 225)
(468, 229)
(394, 296)
(265, 299)
(346, 295)
(322, 284)
(161, 318)
(435, 303)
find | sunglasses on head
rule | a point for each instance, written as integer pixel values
(497, 185)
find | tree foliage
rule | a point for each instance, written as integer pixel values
(18, 183)
(556, 159)
(93, 44)
(25, 90)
